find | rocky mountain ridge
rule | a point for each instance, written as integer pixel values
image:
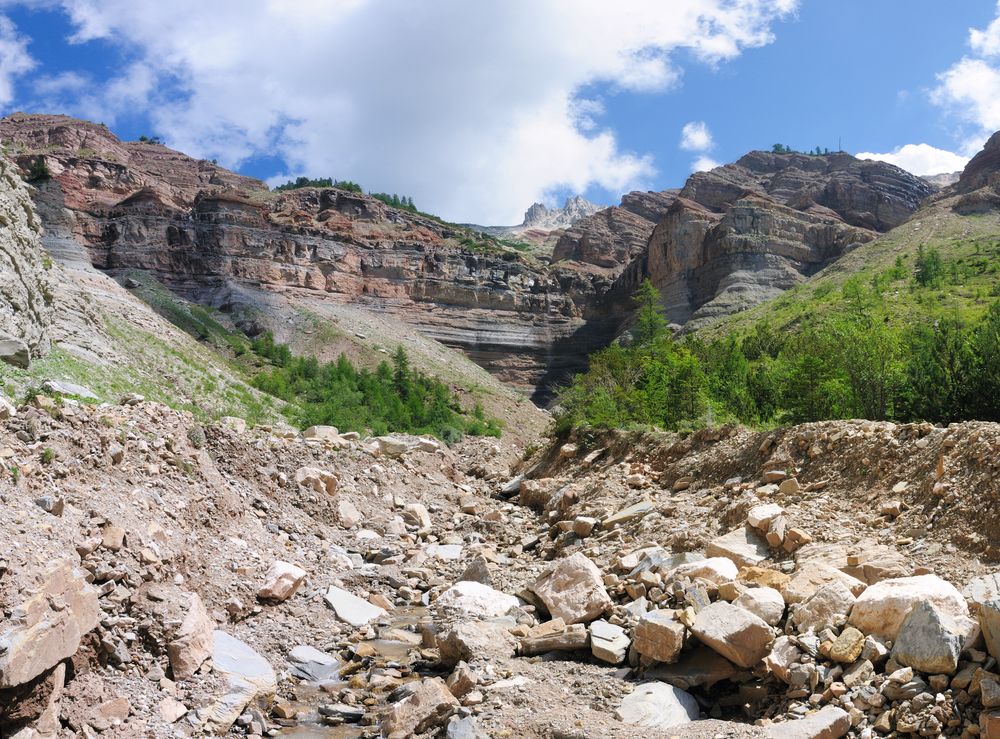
(728, 240)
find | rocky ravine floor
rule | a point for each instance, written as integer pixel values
(162, 579)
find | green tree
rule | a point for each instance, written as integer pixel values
(650, 324)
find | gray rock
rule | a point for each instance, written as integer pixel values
(657, 706)
(247, 677)
(464, 728)
(698, 667)
(14, 351)
(69, 388)
(350, 608)
(979, 590)
(309, 663)
(829, 722)
(929, 640)
(989, 622)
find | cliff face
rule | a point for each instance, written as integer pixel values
(225, 240)
(25, 283)
(611, 238)
(743, 233)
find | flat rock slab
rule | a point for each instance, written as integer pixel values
(698, 667)
(638, 510)
(744, 546)
(309, 663)
(350, 608)
(827, 723)
(657, 706)
(248, 677)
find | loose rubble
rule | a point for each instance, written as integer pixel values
(263, 581)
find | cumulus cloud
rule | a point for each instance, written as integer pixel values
(15, 60)
(970, 88)
(921, 159)
(474, 109)
(703, 164)
(695, 136)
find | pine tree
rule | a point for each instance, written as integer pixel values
(650, 325)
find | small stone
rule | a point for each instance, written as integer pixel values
(848, 646)
(608, 642)
(281, 581)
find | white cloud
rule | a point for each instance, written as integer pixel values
(921, 159)
(703, 164)
(970, 89)
(474, 109)
(695, 136)
(14, 59)
(986, 42)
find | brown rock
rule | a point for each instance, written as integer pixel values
(573, 590)
(428, 707)
(193, 642)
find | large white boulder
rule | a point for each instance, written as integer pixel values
(881, 609)
(657, 706)
(476, 600)
(573, 590)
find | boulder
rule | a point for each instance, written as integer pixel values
(930, 640)
(573, 590)
(475, 600)
(469, 641)
(247, 677)
(827, 608)
(428, 707)
(15, 352)
(348, 516)
(829, 722)
(698, 667)
(881, 609)
(766, 603)
(391, 446)
(812, 575)
(281, 581)
(47, 625)
(608, 642)
(657, 706)
(979, 590)
(989, 622)
(738, 635)
(193, 642)
(716, 570)
(350, 608)
(328, 434)
(744, 546)
(659, 636)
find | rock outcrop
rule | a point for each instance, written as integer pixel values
(613, 237)
(745, 232)
(224, 240)
(25, 282)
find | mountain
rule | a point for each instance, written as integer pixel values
(959, 224)
(743, 233)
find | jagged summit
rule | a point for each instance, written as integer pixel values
(575, 208)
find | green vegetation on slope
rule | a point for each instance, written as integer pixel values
(856, 362)
(392, 398)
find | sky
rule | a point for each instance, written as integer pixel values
(478, 109)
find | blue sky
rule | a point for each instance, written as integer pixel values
(477, 109)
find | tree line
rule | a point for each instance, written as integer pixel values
(859, 364)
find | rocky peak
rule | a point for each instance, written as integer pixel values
(541, 217)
